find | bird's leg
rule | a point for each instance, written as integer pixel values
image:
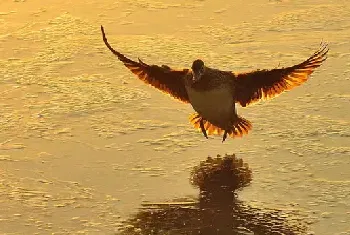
(224, 137)
(201, 123)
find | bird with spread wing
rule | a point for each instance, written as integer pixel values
(214, 93)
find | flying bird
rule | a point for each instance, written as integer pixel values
(213, 93)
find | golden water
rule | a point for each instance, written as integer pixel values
(83, 142)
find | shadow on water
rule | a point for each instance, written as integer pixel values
(217, 210)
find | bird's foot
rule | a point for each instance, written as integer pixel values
(224, 137)
(203, 129)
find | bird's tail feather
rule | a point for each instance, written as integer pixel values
(239, 127)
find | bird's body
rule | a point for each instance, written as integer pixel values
(213, 97)
(216, 105)
(213, 93)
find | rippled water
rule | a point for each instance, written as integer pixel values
(83, 142)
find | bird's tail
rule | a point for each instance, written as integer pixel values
(239, 127)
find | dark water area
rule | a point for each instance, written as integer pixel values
(217, 209)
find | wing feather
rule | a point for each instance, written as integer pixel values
(164, 78)
(263, 84)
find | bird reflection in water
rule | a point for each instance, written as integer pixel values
(217, 211)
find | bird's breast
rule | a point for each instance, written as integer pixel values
(215, 105)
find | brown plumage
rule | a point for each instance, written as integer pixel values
(213, 93)
(264, 84)
(164, 78)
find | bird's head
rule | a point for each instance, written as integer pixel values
(198, 70)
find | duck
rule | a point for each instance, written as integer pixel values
(214, 93)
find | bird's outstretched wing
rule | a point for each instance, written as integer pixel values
(263, 84)
(162, 77)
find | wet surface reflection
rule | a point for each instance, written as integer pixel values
(217, 209)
